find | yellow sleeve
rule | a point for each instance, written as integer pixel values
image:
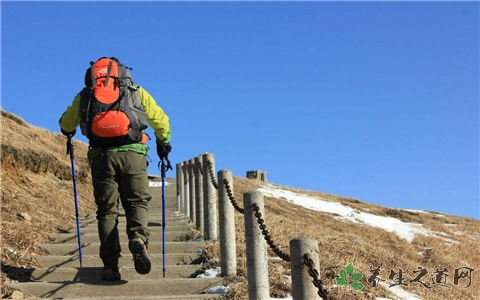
(156, 117)
(71, 117)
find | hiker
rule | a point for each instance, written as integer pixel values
(113, 113)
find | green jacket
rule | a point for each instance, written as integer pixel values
(156, 117)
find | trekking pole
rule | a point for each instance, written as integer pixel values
(72, 159)
(164, 169)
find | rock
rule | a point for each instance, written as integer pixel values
(24, 216)
(16, 295)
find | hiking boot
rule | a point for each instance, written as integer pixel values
(109, 274)
(141, 259)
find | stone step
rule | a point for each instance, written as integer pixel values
(53, 261)
(168, 297)
(152, 221)
(92, 274)
(121, 288)
(157, 210)
(152, 228)
(157, 218)
(170, 199)
(153, 247)
(92, 237)
(157, 195)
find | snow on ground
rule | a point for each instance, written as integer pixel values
(156, 183)
(211, 273)
(221, 290)
(416, 211)
(399, 293)
(404, 230)
(287, 298)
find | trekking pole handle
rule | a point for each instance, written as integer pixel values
(70, 147)
(165, 166)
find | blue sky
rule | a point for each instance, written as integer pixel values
(378, 101)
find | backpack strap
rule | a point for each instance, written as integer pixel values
(92, 74)
(109, 71)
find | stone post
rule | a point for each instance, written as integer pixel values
(179, 187)
(257, 263)
(186, 193)
(226, 217)
(209, 199)
(191, 186)
(199, 194)
(302, 286)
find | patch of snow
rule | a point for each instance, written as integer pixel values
(404, 230)
(443, 234)
(458, 233)
(451, 225)
(156, 183)
(380, 298)
(417, 211)
(399, 293)
(220, 290)
(11, 250)
(287, 298)
(451, 242)
(211, 273)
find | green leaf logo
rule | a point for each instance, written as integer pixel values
(347, 277)
(341, 281)
(357, 286)
(350, 269)
(357, 276)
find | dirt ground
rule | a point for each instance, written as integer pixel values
(35, 179)
(342, 242)
(36, 183)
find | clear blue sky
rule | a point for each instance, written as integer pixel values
(377, 101)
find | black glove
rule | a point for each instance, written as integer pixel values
(163, 150)
(68, 134)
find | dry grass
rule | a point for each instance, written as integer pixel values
(343, 242)
(191, 235)
(36, 179)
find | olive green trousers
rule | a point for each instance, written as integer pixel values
(120, 176)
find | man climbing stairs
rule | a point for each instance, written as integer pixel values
(60, 276)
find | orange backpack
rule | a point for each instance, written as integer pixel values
(111, 110)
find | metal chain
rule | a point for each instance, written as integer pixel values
(200, 168)
(322, 292)
(212, 175)
(266, 234)
(232, 197)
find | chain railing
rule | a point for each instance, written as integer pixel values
(293, 257)
(260, 221)
(232, 197)
(322, 292)
(266, 235)
(200, 168)
(212, 175)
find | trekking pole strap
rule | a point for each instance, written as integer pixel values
(164, 167)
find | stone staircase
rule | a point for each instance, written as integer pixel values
(60, 276)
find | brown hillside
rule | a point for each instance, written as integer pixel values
(344, 242)
(36, 179)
